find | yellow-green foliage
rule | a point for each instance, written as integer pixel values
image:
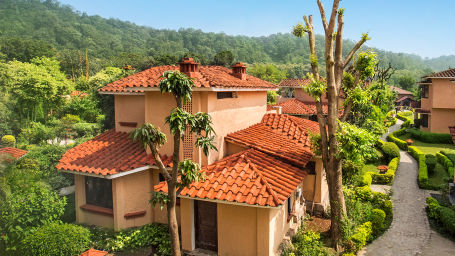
(362, 235)
(377, 220)
(445, 161)
(423, 170)
(400, 143)
(8, 141)
(433, 207)
(387, 177)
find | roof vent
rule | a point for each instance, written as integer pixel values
(189, 67)
(239, 70)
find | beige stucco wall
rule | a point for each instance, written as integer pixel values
(233, 114)
(440, 119)
(129, 108)
(442, 92)
(300, 94)
(131, 193)
(86, 217)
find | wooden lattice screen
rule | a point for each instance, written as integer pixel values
(188, 138)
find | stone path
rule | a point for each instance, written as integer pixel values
(410, 232)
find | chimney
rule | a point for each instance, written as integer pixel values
(189, 67)
(239, 70)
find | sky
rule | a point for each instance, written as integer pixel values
(411, 26)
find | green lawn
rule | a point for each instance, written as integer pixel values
(428, 148)
(438, 178)
(372, 166)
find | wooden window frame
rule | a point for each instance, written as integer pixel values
(225, 95)
(99, 193)
(423, 123)
(425, 91)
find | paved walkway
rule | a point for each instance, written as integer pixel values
(410, 233)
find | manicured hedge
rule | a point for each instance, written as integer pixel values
(391, 150)
(445, 161)
(387, 177)
(407, 120)
(444, 215)
(430, 137)
(423, 171)
(400, 143)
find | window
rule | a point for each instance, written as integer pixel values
(290, 202)
(98, 192)
(424, 120)
(224, 95)
(425, 91)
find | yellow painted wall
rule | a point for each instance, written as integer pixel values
(129, 108)
(237, 230)
(86, 217)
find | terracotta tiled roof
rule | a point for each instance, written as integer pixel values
(109, 153)
(208, 76)
(400, 91)
(404, 97)
(294, 82)
(14, 152)
(78, 93)
(452, 133)
(282, 135)
(450, 73)
(297, 107)
(249, 177)
(93, 252)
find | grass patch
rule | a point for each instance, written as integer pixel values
(372, 166)
(428, 148)
(438, 178)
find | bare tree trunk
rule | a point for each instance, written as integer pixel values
(172, 193)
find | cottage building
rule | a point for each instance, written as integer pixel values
(404, 98)
(437, 107)
(258, 183)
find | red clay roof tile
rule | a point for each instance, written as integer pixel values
(14, 152)
(294, 82)
(208, 76)
(280, 135)
(249, 177)
(93, 252)
(400, 91)
(109, 153)
(450, 73)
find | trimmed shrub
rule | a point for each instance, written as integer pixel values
(380, 143)
(377, 220)
(387, 177)
(431, 161)
(362, 235)
(391, 150)
(446, 162)
(8, 141)
(449, 154)
(309, 243)
(415, 152)
(400, 143)
(447, 218)
(388, 207)
(57, 239)
(433, 208)
(423, 172)
(430, 137)
(407, 117)
(367, 179)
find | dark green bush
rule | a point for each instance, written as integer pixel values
(431, 161)
(391, 150)
(154, 234)
(423, 172)
(449, 154)
(447, 218)
(57, 239)
(444, 160)
(430, 137)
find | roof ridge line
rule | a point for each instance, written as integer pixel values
(264, 180)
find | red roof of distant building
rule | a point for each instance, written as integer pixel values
(207, 77)
(249, 177)
(404, 97)
(93, 252)
(107, 154)
(297, 107)
(294, 82)
(14, 152)
(449, 73)
(280, 135)
(78, 94)
(400, 91)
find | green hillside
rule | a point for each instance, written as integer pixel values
(78, 37)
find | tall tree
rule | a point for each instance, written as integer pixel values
(335, 65)
(184, 172)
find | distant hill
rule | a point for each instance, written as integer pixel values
(69, 30)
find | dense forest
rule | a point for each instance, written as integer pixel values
(85, 44)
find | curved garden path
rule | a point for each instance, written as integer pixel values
(410, 232)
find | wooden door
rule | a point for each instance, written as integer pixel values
(205, 219)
